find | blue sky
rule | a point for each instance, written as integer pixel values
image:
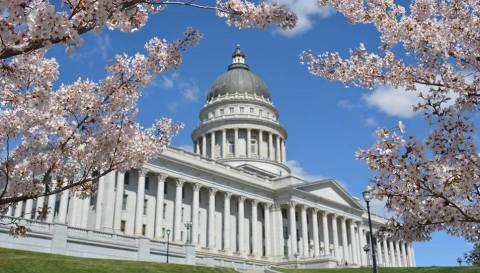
(326, 121)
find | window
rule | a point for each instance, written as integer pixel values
(285, 232)
(251, 110)
(222, 111)
(296, 216)
(163, 232)
(165, 191)
(145, 201)
(144, 229)
(213, 114)
(231, 110)
(147, 183)
(124, 202)
(268, 114)
(253, 144)
(126, 178)
(164, 210)
(122, 225)
(183, 210)
(57, 208)
(231, 142)
(284, 213)
(242, 109)
(260, 112)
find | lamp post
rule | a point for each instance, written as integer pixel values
(188, 225)
(168, 243)
(367, 197)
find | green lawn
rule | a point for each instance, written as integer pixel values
(16, 261)
(432, 269)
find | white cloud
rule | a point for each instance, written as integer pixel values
(103, 44)
(370, 122)
(298, 170)
(187, 88)
(306, 10)
(393, 101)
(346, 104)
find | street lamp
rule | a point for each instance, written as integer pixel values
(168, 243)
(367, 197)
(188, 225)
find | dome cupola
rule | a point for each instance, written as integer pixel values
(239, 123)
(238, 79)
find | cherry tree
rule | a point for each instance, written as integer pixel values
(52, 140)
(429, 184)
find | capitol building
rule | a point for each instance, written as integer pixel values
(231, 202)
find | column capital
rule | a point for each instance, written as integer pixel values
(142, 172)
(292, 203)
(254, 202)
(267, 205)
(315, 210)
(212, 191)
(161, 177)
(179, 182)
(197, 186)
(276, 206)
(241, 198)
(228, 195)
(303, 207)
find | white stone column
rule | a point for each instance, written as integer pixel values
(326, 239)
(85, 209)
(284, 160)
(293, 229)
(241, 215)
(277, 230)
(195, 205)
(277, 150)
(379, 253)
(386, 259)
(266, 219)
(51, 202)
(212, 144)
(39, 206)
(28, 209)
(9, 211)
(98, 205)
(197, 146)
(224, 143)
(316, 240)
(254, 226)
(271, 155)
(397, 254)
(361, 243)
(177, 227)
(117, 217)
(412, 255)
(260, 144)
(249, 140)
(204, 145)
(335, 236)
(344, 240)
(62, 210)
(73, 210)
(303, 214)
(109, 202)
(211, 218)
(226, 222)
(140, 201)
(392, 254)
(353, 242)
(404, 254)
(159, 205)
(236, 150)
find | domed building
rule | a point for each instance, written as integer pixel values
(232, 202)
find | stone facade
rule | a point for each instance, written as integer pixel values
(231, 202)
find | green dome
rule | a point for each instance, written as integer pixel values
(238, 79)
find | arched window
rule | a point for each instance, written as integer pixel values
(231, 142)
(253, 143)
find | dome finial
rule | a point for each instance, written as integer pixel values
(238, 57)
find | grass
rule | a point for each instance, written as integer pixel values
(433, 269)
(17, 261)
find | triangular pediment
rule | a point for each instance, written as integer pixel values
(331, 190)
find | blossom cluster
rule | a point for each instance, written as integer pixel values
(431, 184)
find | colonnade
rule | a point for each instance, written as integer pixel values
(257, 144)
(284, 230)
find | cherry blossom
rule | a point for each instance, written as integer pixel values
(430, 184)
(66, 138)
